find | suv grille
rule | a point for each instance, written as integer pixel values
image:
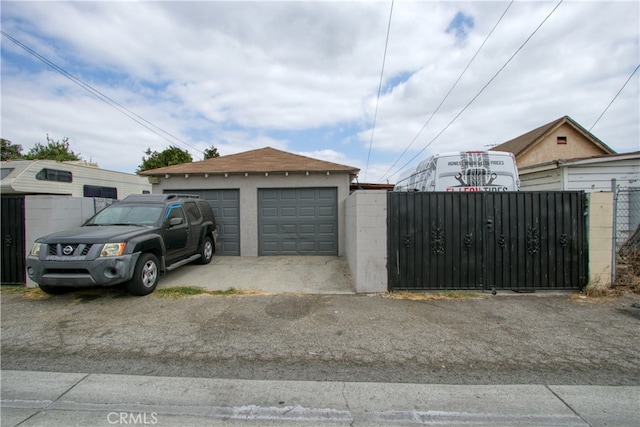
(69, 249)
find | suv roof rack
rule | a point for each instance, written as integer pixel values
(158, 198)
(181, 196)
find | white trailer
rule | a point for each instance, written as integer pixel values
(463, 171)
(76, 179)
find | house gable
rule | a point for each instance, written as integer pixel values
(561, 139)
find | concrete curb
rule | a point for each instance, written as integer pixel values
(32, 398)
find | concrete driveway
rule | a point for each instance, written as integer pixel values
(273, 274)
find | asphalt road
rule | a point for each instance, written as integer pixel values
(532, 339)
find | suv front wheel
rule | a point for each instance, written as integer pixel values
(146, 275)
(206, 251)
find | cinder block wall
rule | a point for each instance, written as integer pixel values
(47, 214)
(600, 235)
(366, 240)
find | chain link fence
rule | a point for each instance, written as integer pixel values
(626, 221)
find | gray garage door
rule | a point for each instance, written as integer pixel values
(298, 221)
(226, 208)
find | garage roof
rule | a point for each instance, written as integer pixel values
(255, 161)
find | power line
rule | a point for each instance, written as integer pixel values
(451, 89)
(481, 90)
(101, 96)
(375, 114)
(615, 97)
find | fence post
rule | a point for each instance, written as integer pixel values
(600, 243)
(614, 241)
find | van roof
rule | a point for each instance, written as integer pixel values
(457, 153)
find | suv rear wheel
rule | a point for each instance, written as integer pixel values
(146, 275)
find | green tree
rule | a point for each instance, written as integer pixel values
(10, 151)
(169, 157)
(211, 152)
(54, 150)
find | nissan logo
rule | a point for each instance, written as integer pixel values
(67, 250)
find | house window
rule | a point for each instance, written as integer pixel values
(562, 140)
(54, 175)
(98, 191)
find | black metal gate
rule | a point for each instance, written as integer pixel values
(520, 241)
(12, 211)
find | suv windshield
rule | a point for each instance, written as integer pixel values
(127, 215)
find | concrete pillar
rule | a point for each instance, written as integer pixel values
(599, 236)
(366, 240)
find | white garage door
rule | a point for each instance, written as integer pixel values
(298, 221)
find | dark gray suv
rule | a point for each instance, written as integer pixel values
(133, 241)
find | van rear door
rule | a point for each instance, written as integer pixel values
(477, 171)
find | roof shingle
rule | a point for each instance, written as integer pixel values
(255, 161)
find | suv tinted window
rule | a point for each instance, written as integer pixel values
(206, 210)
(193, 212)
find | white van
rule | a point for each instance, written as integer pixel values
(463, 171)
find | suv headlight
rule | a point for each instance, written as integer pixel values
(35, 250)
(113, 249)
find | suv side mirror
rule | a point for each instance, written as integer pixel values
(175, 221)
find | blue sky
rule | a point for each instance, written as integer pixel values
(305, 76)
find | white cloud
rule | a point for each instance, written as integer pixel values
(240, 76)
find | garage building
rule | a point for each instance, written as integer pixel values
(267, 201)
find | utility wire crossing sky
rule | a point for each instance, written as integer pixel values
(375, 85)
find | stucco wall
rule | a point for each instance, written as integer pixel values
(248, 192)
(366, 240)
(548, 149)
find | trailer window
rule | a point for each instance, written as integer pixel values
(98, 191)
(5, 172)
(54, 175)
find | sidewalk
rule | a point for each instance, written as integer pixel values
(63, 399)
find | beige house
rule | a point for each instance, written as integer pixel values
(267, 201)
(563, 138)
